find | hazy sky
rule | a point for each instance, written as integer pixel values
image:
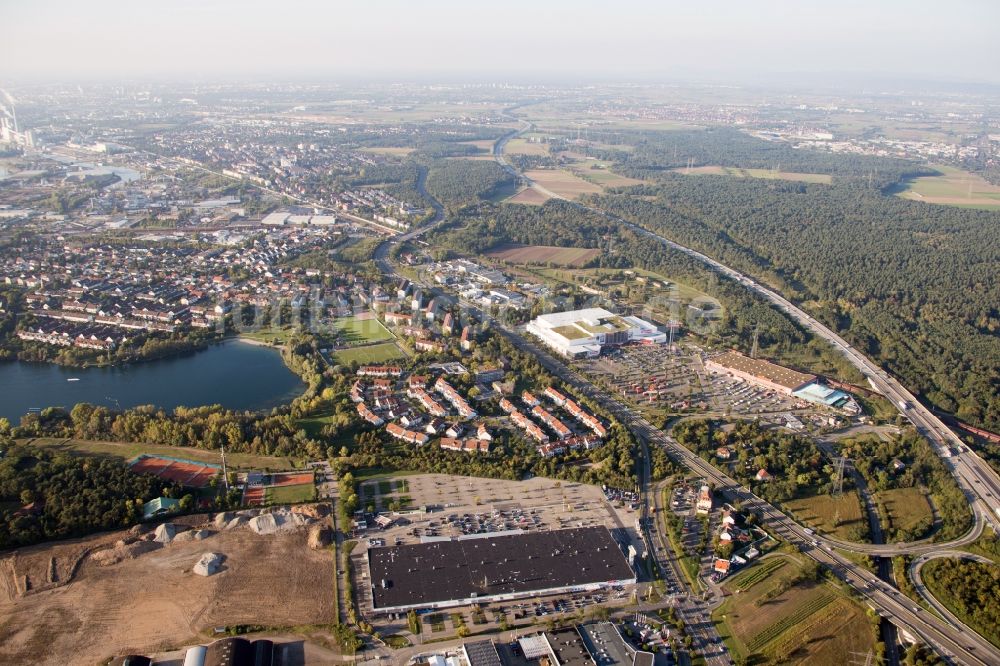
(721, 39)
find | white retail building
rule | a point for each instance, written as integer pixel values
(581, 333)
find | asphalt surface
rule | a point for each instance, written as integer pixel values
(954, 641)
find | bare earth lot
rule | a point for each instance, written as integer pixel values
(562, 183)
(529, 196)
(154, 602)
(544, 254)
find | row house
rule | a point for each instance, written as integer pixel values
(411, 436)
(553, 422)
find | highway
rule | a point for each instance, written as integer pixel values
(974, 475)
(958, 644)
(918, 583)
(977, 480)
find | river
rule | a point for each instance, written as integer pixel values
(233, 374)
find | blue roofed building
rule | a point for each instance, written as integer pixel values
(821, 394)
(160, 506)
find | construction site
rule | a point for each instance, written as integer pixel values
(155, 588)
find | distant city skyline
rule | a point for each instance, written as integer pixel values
(725, 40)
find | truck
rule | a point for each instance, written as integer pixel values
(903, 405)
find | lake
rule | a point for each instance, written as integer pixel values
(234, 374)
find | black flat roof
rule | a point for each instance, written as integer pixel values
(429, 573)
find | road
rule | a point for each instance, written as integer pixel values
(918, 563)
(959, 645)
(974, 475)
(977, 480)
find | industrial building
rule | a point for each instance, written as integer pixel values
(583, 333)
(781, 379)
(483, 568)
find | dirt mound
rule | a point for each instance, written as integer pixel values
(222, 518)
(320, 536)
(193, 535)
(123, 551)
(311, 510)
(165, 533)
(279, 520)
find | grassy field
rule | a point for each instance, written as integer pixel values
(389, 150)
(290, 494)
(544, 254)
(767, 616)
(563, 183)
(271, 336)
(953, 187)
(822, 511)
(908, 509)
(127, 451)
(371, 354)
(606, 178)
(361, 329)
(756, 173)
(520, 146)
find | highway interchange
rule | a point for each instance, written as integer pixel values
(978, 481)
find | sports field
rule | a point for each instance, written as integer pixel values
(369, 354)
(756, 173)
(361, 329)
(953, 187)
(544, 254)
(563, 183)
(189, 473)
(840, 517)
(290, 494)
(771, 615)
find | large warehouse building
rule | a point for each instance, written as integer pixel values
(579, 333)
(487, 568)
(781, 379)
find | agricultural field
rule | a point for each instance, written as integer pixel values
(543, 254)
(369, 354)
(361, 329)
(603, 176)
(769, 612)
(127, 451)
(756, 173)
(521, 146)
(909, 512)
(529, 196)
(840, 517)
(953, 187)
(563, 183)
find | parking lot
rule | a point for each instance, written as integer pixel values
(677, 380)
(442, 506)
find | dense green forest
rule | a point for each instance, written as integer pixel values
(72, 496)
(912, 285)
(478, 229)
(970, 590)
(652, 152)
(458, 182)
